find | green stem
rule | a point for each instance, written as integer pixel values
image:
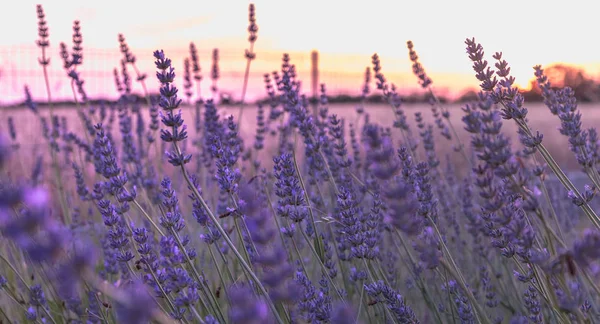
(374, 279)
(109, 290)
(15, 271)
(456, 272)
(238, 229)
(454, 133)
(299, 256)
(225, 264)
(171, 305)
(318, 241)
(5, 316)
(323, 268)
(245, 84)
(480, 313)
(277, 223)
(57, 172)
(227, 239)
(223, 285)
(419, 279)
(213, 303)
(362, 291)
(143, 83)
(19, 304)
(156, 227)
(452, 306)
(562, 177)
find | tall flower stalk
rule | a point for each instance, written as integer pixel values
(129, 58)
(583, 143)
(506, 94)
(215, 74)
(250, 56)
(426, 83)
(170, 102)
(43, 43)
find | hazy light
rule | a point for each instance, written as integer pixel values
(346, 33)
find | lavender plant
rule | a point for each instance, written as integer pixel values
(323, 219)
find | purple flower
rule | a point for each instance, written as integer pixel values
(195, 63)
(483, 72)
(269, 256)
(336, 131)
(418, 69)
(488, 288)
(37, 297)
(77, 55)
(29, 101)
(391, 95)
(117, 235)
(82, 189)
(353, 229)
(35, 217)
(172, 218)
(563, 104)
(215, 70)
(261, 129)
(137, 307)
(176, 131)
(379, 152)
(126, 79)
(187, 78)
(12, 131)
(587, 248)
(329, 262)
(45, 246)
(314, 304)
(288, 189)
(464, 308)
(42, 30)
(356, 158)
(128, 56)
(533, 305)
(429, 248)
(343, 313)
(246, 308)
(586, 197)
(365, 88)
(82, 258)
(31, 313)
(5, 150)
(392, 301)
(252, 27)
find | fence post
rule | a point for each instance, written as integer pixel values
(314, 64)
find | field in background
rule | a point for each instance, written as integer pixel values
(29, 132)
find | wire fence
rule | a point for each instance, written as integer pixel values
(19, 67)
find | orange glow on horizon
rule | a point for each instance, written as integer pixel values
(345, 33)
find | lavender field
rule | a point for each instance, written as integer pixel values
(285, 212)
(380, 114)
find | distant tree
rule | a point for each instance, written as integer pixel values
(563, 75)
(468, 96)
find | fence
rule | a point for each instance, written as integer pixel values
(341, 73)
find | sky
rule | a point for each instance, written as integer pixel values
(346, 34)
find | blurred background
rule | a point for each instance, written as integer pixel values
(344, 33)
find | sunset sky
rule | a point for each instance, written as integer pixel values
(346, 33)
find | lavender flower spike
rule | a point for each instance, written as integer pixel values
(4, 150)
(169, 102)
